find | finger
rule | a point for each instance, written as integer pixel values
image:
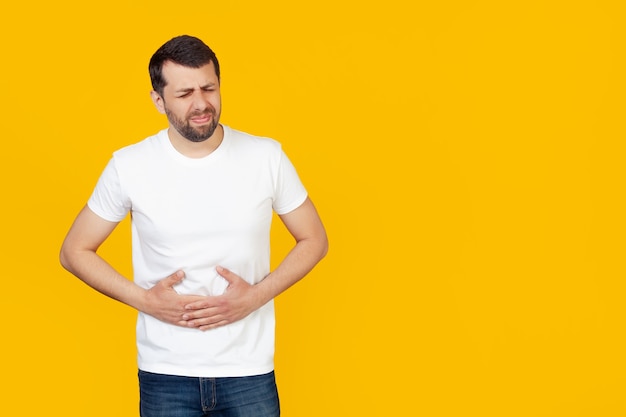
(201, 313)
(226, 274)
(173, 279)
(182, 323)
(201, 302)
(206, 321)
(207, 324)
(198, 305)
(213, 325)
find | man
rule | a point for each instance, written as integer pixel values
(201, 197)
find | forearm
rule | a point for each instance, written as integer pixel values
(79, 256)
(311, 246)
(94, 271)
(295, 266)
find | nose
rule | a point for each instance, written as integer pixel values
(200, 103)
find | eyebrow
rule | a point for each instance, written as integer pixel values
(186, 90)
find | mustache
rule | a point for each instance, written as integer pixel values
(202, 113)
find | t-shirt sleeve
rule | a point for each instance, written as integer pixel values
(108, 199)
(290, 192)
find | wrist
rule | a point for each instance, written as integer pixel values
(142, 301)
(262, 293)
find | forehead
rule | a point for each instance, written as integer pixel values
(178, 76)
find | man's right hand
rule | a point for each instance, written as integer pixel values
(164, 303)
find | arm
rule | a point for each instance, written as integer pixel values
(306, 227)
(241, 298)
(78, 255)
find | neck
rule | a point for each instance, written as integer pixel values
(196, 149)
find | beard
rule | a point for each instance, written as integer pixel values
(194, 134)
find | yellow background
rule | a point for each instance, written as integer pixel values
(467, 158)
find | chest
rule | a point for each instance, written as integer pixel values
(181, 204)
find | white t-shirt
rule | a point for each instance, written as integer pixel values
(196, 214)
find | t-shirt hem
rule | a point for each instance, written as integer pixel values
(207, 372)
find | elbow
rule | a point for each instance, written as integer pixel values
(65, 257)
(324, 247)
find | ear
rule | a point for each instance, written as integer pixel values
(158, 101)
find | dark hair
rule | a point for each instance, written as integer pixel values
(184, 50)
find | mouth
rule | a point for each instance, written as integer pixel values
(201, 119)
(201, 116)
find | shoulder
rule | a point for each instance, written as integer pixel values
(147, 146)
(253, 143)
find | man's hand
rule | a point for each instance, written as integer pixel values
(237, 302)
(164, 303)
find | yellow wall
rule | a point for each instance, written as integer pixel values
(467, 158)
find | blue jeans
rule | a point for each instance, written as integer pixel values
(181, 396)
